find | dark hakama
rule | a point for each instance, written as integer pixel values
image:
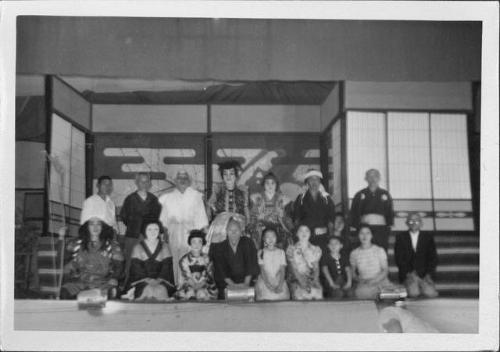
(316, 214)
(235, 265)
(378, 202)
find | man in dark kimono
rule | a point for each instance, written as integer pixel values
(138, 207)
(416, 257)
(315, 209)
(373, 206)
(235, 260)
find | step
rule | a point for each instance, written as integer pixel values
(449, 251)
(49, 271)
(49, 253)
(446, 268)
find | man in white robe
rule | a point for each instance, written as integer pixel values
(182, 211)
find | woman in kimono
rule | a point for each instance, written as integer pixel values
(196, 279)
(229, 197)
(303, 263)
(267, 209)
(96, 261)
(271, 284)
(151, 273)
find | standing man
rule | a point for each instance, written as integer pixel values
(373, 206)
(416, 257)
(137, 208)
(100, 205)
(182, 210)
(314, 208)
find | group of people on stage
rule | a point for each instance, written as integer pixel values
(178, 246)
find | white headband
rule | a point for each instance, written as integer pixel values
(311, 173)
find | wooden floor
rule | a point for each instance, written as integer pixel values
(445, 315)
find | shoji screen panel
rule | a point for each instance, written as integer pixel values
(408, 150)
(336, 163)
(450, 172)
(366, 148)
(67, 175)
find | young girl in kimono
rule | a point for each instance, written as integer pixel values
(303, 263)
(151, 273)
(96, 262)
(271, 284)
(196, 279)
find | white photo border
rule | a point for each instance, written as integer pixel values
(486, 339)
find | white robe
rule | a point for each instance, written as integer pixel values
(181, 213)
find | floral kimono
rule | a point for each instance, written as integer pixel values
(97, 267)
(196, 280)
(270, 213)
(304, 272)
(234, 201)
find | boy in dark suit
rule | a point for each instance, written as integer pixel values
(416, 258)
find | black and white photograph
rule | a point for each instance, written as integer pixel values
(238, 175)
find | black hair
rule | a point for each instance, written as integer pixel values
(339, 214)
(266, 229)
(228, 165)
(364, 225)
(105, 237)
(295, 237)
(338, 238)
(271, 176)
(146, 222)
(103, 178)
(197, 234)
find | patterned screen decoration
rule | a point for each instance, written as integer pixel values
(423, 159)
(121, 156)
(288, 156)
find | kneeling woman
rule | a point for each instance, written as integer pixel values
(196, 280)
(369, 266)
(303, 263)
(97, 261)
(151, 271)
(271, 284)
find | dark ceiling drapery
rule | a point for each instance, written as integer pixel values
(30, 119)
(298, 93)
(249, 49)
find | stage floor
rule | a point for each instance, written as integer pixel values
(446, 315)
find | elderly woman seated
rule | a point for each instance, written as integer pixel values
(151, 272)
(96, 263)
(235, 260)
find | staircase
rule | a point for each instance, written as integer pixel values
(457, 273)
(48, 266)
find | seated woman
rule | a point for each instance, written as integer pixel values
(151, 271)
(196, 279)
(97, 261)
(303, 263)
(369, 266)
(235, 260)
(271, 284)
(268, 210)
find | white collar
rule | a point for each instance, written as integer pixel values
(414, 234)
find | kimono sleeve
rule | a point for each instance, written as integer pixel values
(124, 211)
